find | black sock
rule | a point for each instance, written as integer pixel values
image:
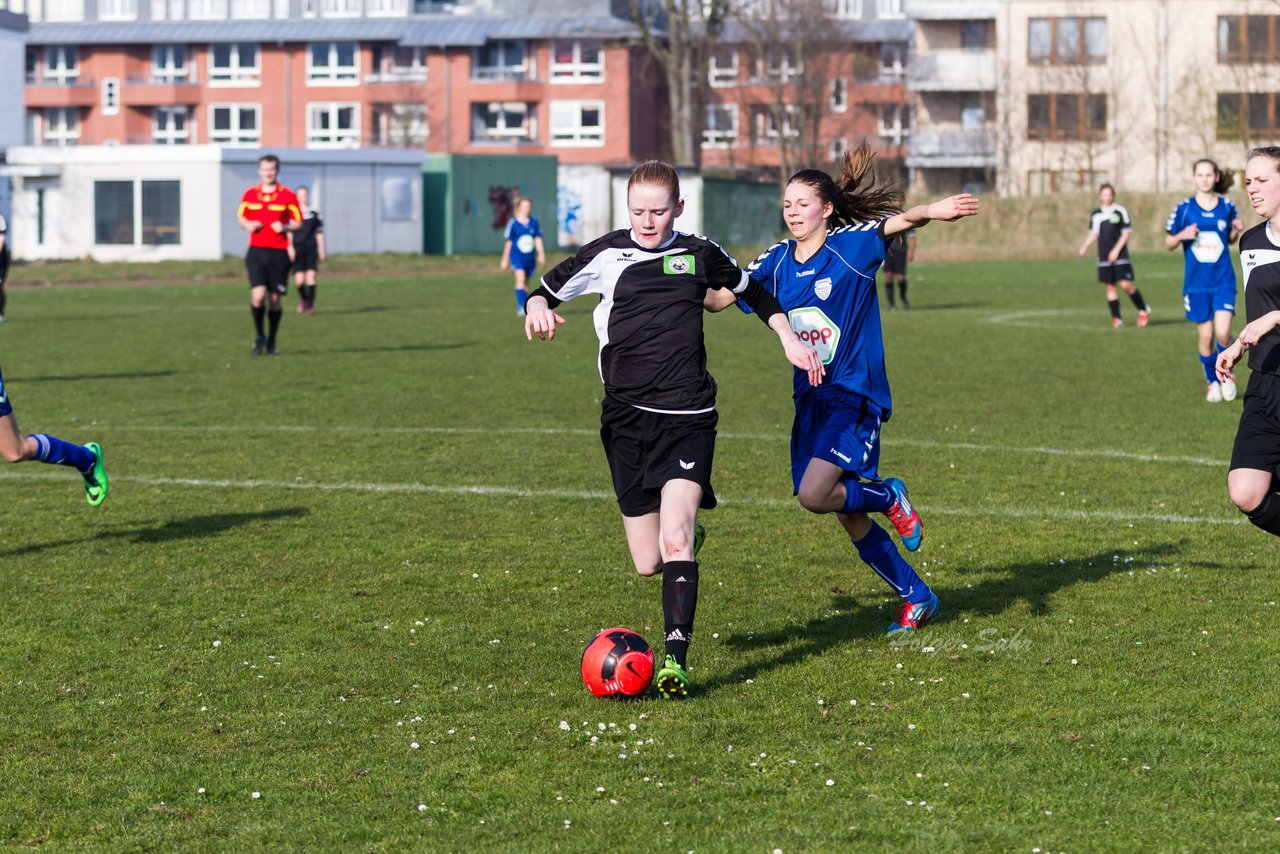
(1267, 514)
(679, 601)
(1, 297)
(311, 296)
(888, 292)
(259, 311)
(273, 318)
(902, 290)
(1114, 305)
(1138, 301)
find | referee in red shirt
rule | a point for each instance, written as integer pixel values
(267, 212)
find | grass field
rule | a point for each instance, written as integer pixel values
(357, 578)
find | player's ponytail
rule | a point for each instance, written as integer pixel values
(855, 196)
(1223, 178)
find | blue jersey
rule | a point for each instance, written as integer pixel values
(521, 235)
(1207, 261)
(831, 303)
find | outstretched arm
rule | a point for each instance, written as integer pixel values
(949, 209)
(1088, 241)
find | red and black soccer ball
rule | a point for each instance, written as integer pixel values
(617, 663)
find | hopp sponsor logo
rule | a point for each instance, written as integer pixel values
(817, 331)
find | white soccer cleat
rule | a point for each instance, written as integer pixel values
(1229, 390)
(1214, 395)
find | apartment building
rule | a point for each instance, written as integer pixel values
(13, 31)
(339, 74)
(802, 92)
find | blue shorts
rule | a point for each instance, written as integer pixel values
(5, 407)
(842, 429)
(528, 265)
(1201, 306)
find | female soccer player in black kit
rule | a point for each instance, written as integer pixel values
(1252, 481)
(658, 420)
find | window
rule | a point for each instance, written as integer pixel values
(386, 8)
(1248, 38)
(889, 9)
(32, 65)
(61, 126)
(1063, 117)
(844, 9)
(340, 8)
(501, 60)
(117, 10)
(136, 213)
(767, 132)
(234, 65)
(168, 63)
(579, 61)
(722, 67)
(61, 64)
(207, 10)
(892, 123)
(401, 125)
(839, 96)
(975, 35)
(839, 147)
(577, 123)
(721, 126)
(1066, 41)
(110, 101)
(331, 62)
(249, 10)
(892, 59)
(235, 124)
(169, 126)
(333, 126)
(392, 62)
(502, 121)
(781, 63)
(1248, 115)
(63, 10)
(1041, 182)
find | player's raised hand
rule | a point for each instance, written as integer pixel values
(953, 208)
(277, 226)
(541, 321)
(806, 359)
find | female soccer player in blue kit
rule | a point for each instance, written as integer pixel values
(826, 281)
(18, 447)
(1204, 225)
(522, 249)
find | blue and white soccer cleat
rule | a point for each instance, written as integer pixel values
(903, 515)
(912, 616)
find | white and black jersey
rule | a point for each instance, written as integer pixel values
(1109, 224)
(649, 319)
(1260, 260)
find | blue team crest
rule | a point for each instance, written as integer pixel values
(1222, 225)
(822, 288)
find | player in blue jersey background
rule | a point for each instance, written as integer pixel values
(17, 447)
(1204, 225)
(825, 279)
(522, 249)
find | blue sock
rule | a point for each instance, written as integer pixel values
(864, 497)
(54, 451)
(1206, 362)
(521, 298)
(878, 552)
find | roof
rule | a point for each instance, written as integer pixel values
(851, 31)
(429, 31)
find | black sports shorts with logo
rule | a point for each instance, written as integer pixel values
(647, 449)
(268, 267)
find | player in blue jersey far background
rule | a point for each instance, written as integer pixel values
(522, 250)
(17, 447)
(1110, 226)
(825, 279)
(1204, 225)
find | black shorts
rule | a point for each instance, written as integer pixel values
(647, 449)
(1110, 274)
(305, 258)
(895, 262)
(1258, 437)
(268, 267)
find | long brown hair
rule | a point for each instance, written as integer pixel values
(856, 196)
(1223, 178)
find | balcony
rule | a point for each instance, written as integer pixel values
(949, 10)
(953, 71)
(82, 93)
(951, 149)
(147, 92)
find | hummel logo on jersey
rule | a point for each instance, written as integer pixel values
(844, 457)
(803, 273)
(688, 466)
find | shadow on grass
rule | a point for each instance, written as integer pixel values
(1030, 585)
(403, 348)
(176, 529)
(938, 306)
(62, 378)
(362, 309)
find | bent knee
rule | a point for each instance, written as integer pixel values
(675, 543)
(813, 500)
(13, 455)
(1246, 498)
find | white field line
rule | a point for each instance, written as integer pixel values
(1083, 453)
(590, 495)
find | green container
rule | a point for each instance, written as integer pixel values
(735, 213)
(467, 200)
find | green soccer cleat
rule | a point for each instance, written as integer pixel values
(95, 482)
(699, 537)
(673, 680)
